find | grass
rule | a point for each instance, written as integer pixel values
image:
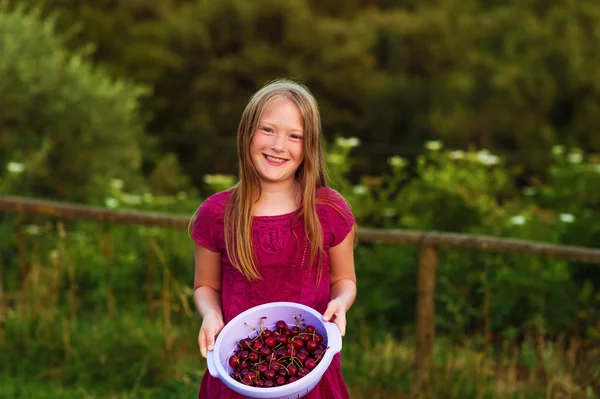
(127, 357)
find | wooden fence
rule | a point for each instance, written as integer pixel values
(428, 243)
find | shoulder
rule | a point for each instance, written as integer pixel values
(329, 202)
(328, 197)
(216, 203)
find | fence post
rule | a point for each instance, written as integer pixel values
(425, 316)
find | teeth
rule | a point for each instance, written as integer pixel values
(273, 159)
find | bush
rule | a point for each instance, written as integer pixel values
(67, 127)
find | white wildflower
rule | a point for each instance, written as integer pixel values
(397, 161)
(518, 220)
(15, 167)
(433, 145)
(558, 149)
(335, 159)
(111, 202)
(117, 184)
(360, 189)
(459, 154)
(349, 142)
(486, 158)
(566, 218)
(575, 157)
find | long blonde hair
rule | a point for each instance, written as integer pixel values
(311, 175)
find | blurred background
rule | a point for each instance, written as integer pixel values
(470, 116)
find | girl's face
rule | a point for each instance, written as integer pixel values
(276, 148)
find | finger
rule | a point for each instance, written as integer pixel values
(341, 323)
(329, 313)
(202, 343)
(210, 340)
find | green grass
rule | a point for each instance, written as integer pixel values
(124, 357)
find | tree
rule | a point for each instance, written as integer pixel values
(71, 125)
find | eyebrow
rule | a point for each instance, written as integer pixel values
(262, 121)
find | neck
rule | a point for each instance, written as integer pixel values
(278, 198)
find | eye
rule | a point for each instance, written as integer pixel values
(296, 137)
(267, 129)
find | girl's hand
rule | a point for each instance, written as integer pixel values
(212, 324)
(336, 313)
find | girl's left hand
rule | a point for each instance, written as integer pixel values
(336, 313)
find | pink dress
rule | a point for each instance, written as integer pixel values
(285, 276)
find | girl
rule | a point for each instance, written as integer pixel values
(280, 234)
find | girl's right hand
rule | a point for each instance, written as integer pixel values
(212, 324)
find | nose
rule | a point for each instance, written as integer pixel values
(278, 143)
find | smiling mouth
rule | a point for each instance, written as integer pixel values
(275, 160)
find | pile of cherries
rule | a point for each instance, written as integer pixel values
(277, 357)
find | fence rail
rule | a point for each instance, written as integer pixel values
(428, 243)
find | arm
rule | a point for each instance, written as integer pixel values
(343, 282)
(207, 296)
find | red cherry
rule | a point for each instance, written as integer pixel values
(310, 329)
(270, 342)
(310, 363)
(293, 370)
(311, 346)
(280, 380)
(234, 361)
(281, 326)
(298, 343)
(269, 374)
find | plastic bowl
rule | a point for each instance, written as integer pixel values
(237, 329)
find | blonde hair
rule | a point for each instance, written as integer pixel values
(311, 175)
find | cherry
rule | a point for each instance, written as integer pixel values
(259, 383)
(262, 367)
(310, 363)
(234, 361)
(269, 384)
(293, 370)
(265, 351)
(302, 372)
(269, 374)
(310, 329)
(280, 380)
(281, 326)
(271, 342)
(281, 339)
(266, 333)
(302, 357)
(312, 346)
(243, 355)
(253, 357)
(257, 345)
(298, 343)
(292, 379)
(295, 330)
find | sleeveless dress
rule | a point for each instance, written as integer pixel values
(282, 255)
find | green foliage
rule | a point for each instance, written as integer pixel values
(71, 126)
(511, 76)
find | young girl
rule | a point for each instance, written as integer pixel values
(280, 234)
